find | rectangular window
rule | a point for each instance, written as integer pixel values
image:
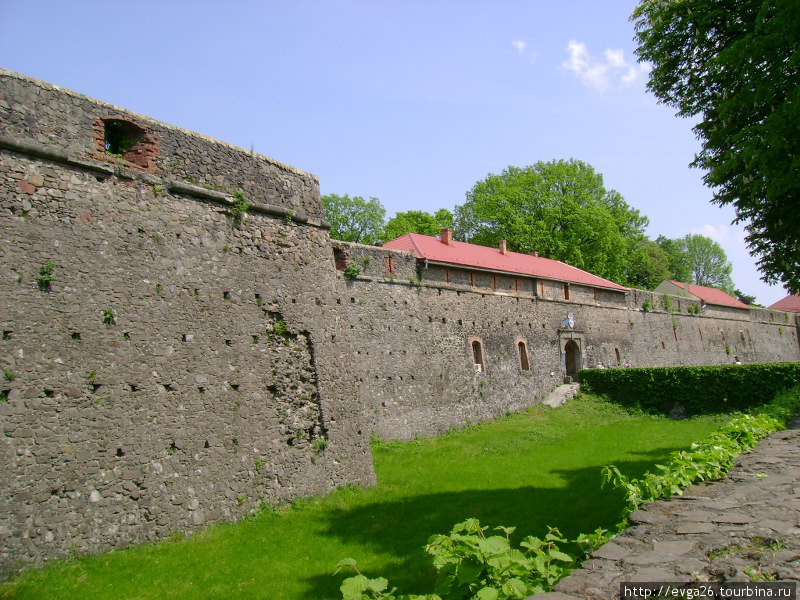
(477, 356)
(472, 279)
(566, 291)
(595, 294)
(447, 275)
(494, 282)
(389, 265)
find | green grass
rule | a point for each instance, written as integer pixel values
(533, 469)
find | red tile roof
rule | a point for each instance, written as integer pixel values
(481, 257)
(711, 295)
(789, 304)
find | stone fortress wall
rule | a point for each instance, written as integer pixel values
(186, 364)
(416, 326)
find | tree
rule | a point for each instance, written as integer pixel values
(736, 65)
(698, 259)
(418, 221)
(354, 219)
(560, 209)
(677, 259)
(649, 265)
(746, 298)
(709, 264)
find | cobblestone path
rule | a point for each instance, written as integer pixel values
(744, 528)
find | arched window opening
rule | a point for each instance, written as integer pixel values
(477, 356)
(523, 356)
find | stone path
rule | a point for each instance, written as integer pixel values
(739, 529)
(561, 394)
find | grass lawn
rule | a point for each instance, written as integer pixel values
(533, 469)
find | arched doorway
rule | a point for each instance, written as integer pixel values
(573, 359)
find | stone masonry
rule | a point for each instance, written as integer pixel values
(184, 364)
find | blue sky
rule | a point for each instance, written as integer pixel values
(410, 101)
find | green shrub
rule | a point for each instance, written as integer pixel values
(351, 271)
(47, 274)
(697, 390)
(240, 206)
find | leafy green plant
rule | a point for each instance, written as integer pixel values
(109, 316)
(708, 460)
(47, 274)
(159, 288)
(319, 445)
(9, 375)
(92, 376)
(471, 563)
(360, 587)
(667, 302)
(351, 271)
(280, 327)
(646, 306)
(240, 205)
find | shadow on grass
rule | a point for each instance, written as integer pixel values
(401, 528)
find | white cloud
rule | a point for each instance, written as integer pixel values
(519, 45)
(723, 234)
(601, 74)
(522, 49)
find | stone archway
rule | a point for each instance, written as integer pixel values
(572, 355)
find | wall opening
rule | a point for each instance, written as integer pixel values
(390, 266)
(573, 359)
(566, 291)
(523, 356)
(619, 359)
(477, 356)
(340, 258)
(119, 138)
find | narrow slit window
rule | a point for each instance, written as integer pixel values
(566, 291)
(477, 356)
(390, 265)
(523, 356)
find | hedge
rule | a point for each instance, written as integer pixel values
(695, 390)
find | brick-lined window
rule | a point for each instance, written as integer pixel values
(341, 258)
(121, 138)
(566, 291)
(390, 265)
(523, 356)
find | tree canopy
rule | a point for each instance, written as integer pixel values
(697, 259)
(736, 65)
(418, 221)
(354, 219)
(560, 209)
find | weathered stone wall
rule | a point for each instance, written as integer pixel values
(415, 331)
(182, 366)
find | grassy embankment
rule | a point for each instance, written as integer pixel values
(533, 469)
